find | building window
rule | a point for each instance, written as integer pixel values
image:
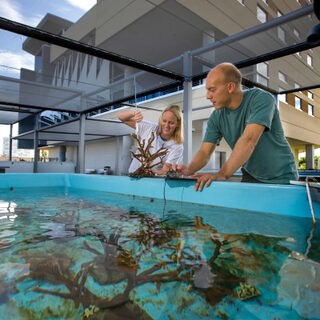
(282, 77)
(310, 109)
(282, 97)
(261, 15)
(263, 69)
(297, 103)
(281, 34)
(262, 73)
(310, 95)
(296, 33)
(309, 60)
(262, 80)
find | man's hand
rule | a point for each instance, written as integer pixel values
(206, 179)
(181, 169)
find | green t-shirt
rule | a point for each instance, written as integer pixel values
(272, 160)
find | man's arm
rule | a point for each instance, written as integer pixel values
(239, 156)
(243, 149)
(200, 159)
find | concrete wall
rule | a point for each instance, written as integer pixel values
(43, 167)
(299, 125)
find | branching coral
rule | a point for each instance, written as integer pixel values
(146, 158)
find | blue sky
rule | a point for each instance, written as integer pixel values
(30, 12)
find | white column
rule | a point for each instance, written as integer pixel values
(309, 156)
(125, 155)
(214, 161)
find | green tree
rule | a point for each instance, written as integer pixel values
(302, 163)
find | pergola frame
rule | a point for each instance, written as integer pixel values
(185, 80)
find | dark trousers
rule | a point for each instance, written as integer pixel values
(246, 177)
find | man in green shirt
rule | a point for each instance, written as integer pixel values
(250, 123)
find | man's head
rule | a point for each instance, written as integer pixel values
(223, 83)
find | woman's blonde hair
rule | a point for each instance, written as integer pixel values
(178, 132)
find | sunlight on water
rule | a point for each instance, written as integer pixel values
(71, 254)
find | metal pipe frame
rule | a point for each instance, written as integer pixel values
(64, 42)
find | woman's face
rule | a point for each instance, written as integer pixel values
(168, 124)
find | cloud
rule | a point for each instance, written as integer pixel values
(12, 11)
(83, 4)
(11, 62)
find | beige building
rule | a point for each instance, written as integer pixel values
(160, 32)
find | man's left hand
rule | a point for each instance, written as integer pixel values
(205, 179)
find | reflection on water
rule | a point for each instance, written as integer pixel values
(68, 254)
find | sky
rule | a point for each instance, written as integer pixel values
(30, 12)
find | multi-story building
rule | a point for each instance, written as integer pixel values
(158, 31)
(16, 153)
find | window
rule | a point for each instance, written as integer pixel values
(309, 60)
(282, 76)
(282, 97)
(262, 73)
(281, 34)
(310, 109)
(262, 80)
(297, 103)
(296, 33)
(263, 69)
(310, 95)
(261, 15)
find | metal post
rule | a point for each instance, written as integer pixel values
(35, 143)
(81, 151)
(310, 200)
(10, 143)
(187, 107)
(116, 169)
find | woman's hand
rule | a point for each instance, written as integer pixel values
(181, 169)
(130, 117)
(137, 116)
(166, 167)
